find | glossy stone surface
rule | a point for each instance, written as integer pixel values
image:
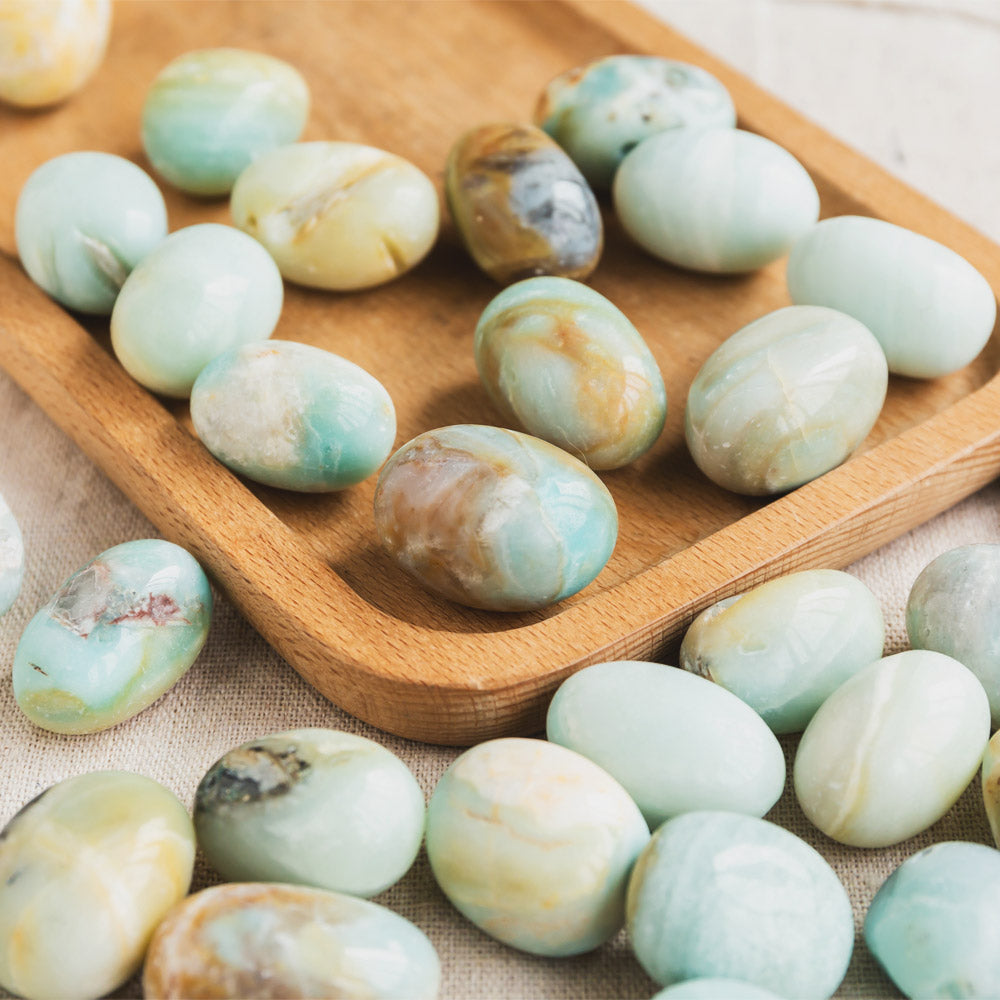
(83, 221)
(990, 785)
(210, 113)
(934, 925)
(676, 742)
(930, 309)
(717, 894)
(521, 205)
(534, 843)
(889, 752)
(205, 289)
(494, 518)
(558, 359)
(293, 416)
(337, 215)
(784, 399)
(11, 558)
(601, 111)
(785, 646)
(115, 636)
(87, 871)
(311, 806)
(268, 941)
(714, 988)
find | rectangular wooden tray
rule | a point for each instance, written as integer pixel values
(307, 570)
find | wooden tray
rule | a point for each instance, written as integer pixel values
(307, 571)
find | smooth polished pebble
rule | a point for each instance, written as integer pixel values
(11, 558)
(521, 205)
(534, 843)
(82, 223)
(990, 785)
(311, 806)
(337, 215)
(293, 416)
(205, 289)
(603, 110)
(718, 894)
(785, 646)
(263, 941)
(785, 399)
(930, 309)
(714, 988)
(87, 871)
(115, 636)
(715, 199)
(493, 518)
(560, 360)
(889, 752)
(211, 112)
(934, 925)
(676, 742)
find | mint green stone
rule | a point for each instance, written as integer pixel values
(714, 988)
(11, 558)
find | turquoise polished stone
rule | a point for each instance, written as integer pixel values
(714, 988)
(714, 199)
(82, 223)
(676, 742)
(205, 289)
(534, 843)
(717, 894)
(493, 518)
(293, 416)
(311, 806)
(934, 925)
(785, 399)
(785, 646)
(210, 113)
(113, 638)
(559, 359)
(601, 111)
(11, 558)
(930, 309)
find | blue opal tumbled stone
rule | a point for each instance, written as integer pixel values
(714, 988)
(11, 558)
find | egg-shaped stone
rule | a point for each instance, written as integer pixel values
(494, 518)
(114, 637)
(82, 223)
(203, 290)
(271, 940)
(534, 843)
(521, 205)
(562, 361)
(785, 646)
(209, 113)
(714, 988)
(889, 752)
(719, 894)
(676, 742)
(293, 416)
(314, 807)
(337, 215)
(930, 309)
(714, 199)
(785, 399)
(11, 558)
(934, 924)
(87, 871)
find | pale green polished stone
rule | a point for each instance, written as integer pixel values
(785, 399)
(11, 558)
(714, 988)
(82, 223)
(930, 309)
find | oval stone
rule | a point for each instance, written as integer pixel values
(11, 558)
(676, 742)
(863, 771)
(493, 518)
(534, 843)
(990, 782)
(521, 205)
(559, 359)
(311, 806)
(930, 309)
(785, 646)
(87, 871)
(714, 988)
(114, 637)
(785, 399)
(293, 416)
(268, 940)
